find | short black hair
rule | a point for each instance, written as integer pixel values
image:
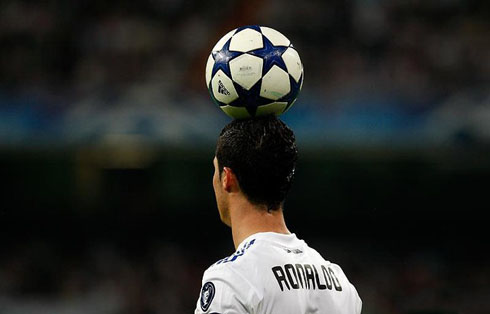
(262, 153)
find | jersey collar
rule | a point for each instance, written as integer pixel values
(269, 236)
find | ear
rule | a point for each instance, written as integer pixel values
(229, 181)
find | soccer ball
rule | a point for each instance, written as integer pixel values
(254, 71)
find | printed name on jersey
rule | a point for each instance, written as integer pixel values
(237, 254)
(306, 276)
(207, 294)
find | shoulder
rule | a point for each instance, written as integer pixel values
(234, 268)
(339, 277)
(334, 277)
(223, 290)
(233, 265)
(226, 284)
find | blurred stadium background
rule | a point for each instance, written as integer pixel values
(107, 136)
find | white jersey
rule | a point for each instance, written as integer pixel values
(272, 273)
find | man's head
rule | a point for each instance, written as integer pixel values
(255, 157)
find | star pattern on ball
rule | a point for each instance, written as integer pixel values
(251, 98)
(271, 55)
(254, 27)
(295, 88)
(223, 57)
(257, 91)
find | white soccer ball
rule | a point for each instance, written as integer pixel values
(254, 71)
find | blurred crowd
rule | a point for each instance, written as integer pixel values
(387, 71)
(41, 278)
(164, 277)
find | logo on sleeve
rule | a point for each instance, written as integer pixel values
(207, 295)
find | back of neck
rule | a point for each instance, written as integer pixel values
(248, 219)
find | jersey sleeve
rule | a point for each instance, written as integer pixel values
(224, 292)
(356, 300)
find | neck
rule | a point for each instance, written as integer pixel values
(247, 219)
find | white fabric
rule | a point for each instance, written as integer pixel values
(250, 280)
